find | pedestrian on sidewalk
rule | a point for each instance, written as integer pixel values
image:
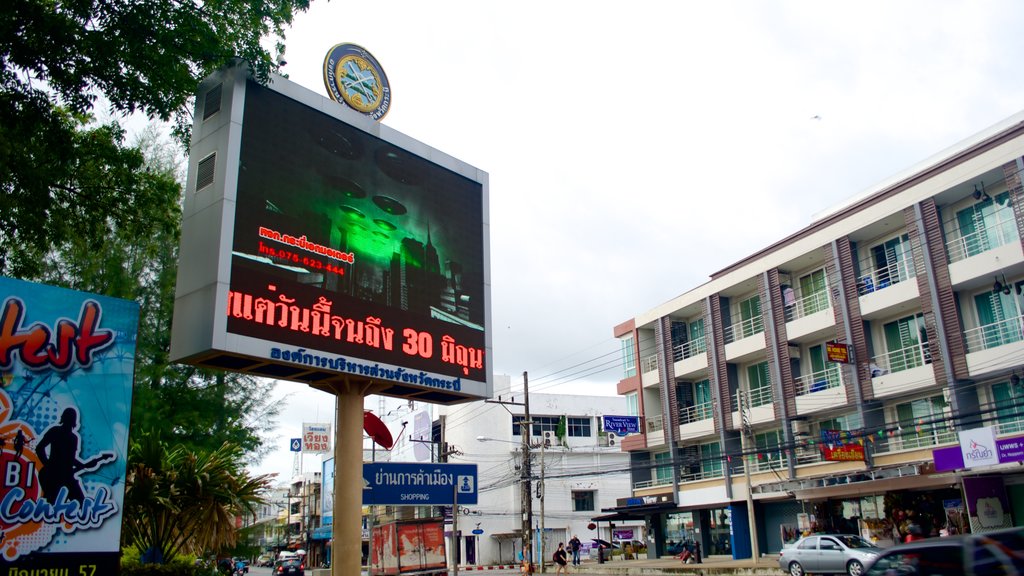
(560, 558)
(575, 545)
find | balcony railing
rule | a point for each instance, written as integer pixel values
(649, 364)
(884, 277)
(744, 328)
(689, 349)
(926, 439)
(706, 474)
(758, 397)
(989, 237)
(992, 335)
(807, 305)
(652, 483)
(830, 377)
(899, 360)
(696, 413)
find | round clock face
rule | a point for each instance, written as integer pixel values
(354, 76)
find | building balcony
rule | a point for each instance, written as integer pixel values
(696, 421)
(655, 426)
(744, 339)
(994, 347)
(971, 258)
(762, 407)
(820, 390)
(885, 300)
(886, 277)
(691, 358)
(902, 371)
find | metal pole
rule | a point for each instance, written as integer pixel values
(455, 530)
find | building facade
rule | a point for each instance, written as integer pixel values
(575, 472)
(807, 386)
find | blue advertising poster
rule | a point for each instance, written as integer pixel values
(425, 484)
(67, 361)
(621, 425)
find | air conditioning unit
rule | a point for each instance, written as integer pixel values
(613, 438)
(548, 435)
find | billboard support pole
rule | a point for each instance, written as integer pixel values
(346, 549)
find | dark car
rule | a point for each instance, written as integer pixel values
(289, 566)
(997, 553)
(828, 554)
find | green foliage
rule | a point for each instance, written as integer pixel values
(178, 501)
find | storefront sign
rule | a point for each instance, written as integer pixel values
(952, 458)
(978, 447)
(843, 453)
(621, 425)
(837, 352)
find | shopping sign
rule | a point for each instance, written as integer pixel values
(837, 352)
(399, 483)
(67, 361)
(621, 425)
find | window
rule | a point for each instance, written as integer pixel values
(759, 383)
(1009, 402)
(924, 422)
(986, 225)
(541, 424)
(702, 399)
(813, 294)
(579, 427)
(906, 343)
(892, 261)
(628, 356)
(711, 465)
(697, 344)
(768, 453)
(847, 422)
(750, 317)
(632, 409)
(998, 318)
(583, 501)
(663, 472)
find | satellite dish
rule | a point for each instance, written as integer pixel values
(377, 430)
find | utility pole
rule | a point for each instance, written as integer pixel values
(747, 445)
(540, 494)
(525, 476)
(525, 492)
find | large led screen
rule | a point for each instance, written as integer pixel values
(352, 255)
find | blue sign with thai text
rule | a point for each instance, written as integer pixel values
(418, 484)
(622, 425)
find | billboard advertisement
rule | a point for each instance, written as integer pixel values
(346, 250)
(316, 438)
(67, 361)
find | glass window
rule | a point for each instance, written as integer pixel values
(541, 424)
(664, 470)
(906, 343)
(986, 225)
(768, 453)
(923, 422)
(759, 384)
(711, 465)
(998, 318)
(698, 345)
(579, 427)
(750, 317)
(1009, 402)
(702, 399)
(628, 356)
(583, 500)
(893, 261)
(812, 288)
(632, 407)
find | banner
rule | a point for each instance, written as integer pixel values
(67, 360)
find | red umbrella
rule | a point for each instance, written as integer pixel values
(377, 430)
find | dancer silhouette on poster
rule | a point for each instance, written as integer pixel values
(58, 452)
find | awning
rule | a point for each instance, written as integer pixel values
(506, 535)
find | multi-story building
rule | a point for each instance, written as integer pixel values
(756, 423)
(574, 471)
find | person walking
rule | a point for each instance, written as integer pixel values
(561, 560)
(574, 546)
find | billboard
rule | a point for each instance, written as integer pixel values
(319, 246)
(316, 438)
(67, 361)
(398, 483)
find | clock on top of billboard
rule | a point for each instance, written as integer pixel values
(353, 252)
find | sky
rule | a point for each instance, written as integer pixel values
(632, 152)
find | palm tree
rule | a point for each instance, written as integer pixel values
(179, 501)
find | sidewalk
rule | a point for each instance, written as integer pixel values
(715, 565)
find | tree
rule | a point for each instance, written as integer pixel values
(58, 60)
(180, 501)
